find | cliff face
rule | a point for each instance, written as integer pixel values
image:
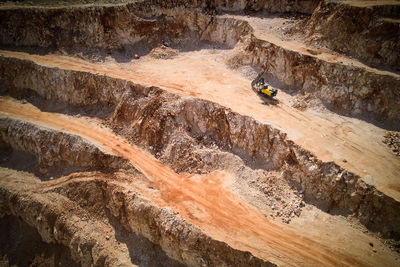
(248, 6)
(371, 34)
(56, 153)
(126, 29)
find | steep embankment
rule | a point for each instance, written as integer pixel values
(119, 30)
(151, 117)
(367, 30)
(56, 153)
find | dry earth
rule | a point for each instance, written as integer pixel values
(130, 135)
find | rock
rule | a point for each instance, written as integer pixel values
(163, 52)
(392, 140)
(356, 32)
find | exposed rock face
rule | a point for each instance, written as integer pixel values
(56, 151)
(150, 117)
(344, 88)
(21, 245)
(274, 6)
(126, 29)
(369, 34)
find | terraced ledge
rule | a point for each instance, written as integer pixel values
(349, 89)
(149, 116)
(130, 135)
(96, 244)
(346, 89)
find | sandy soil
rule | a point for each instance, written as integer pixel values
(206, 202)
(351, 143)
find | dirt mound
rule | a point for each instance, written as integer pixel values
(163, 52)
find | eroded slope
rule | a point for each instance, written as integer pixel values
(217, 186)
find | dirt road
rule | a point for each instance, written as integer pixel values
(204, 201)
(354, 144)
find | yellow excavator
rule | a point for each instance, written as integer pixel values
(262, 88)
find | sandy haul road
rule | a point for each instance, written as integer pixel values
(203, 201)
(351, 143)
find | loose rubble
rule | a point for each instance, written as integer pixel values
(163, 52)
(392, 140)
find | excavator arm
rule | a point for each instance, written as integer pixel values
(257, 80)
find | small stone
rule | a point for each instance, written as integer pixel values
(371, 244)
(23, 101)
(108, 237)
(137, 56)
(344, 160)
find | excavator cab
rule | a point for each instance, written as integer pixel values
(261, 87)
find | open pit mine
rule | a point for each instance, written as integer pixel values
(200, 133)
